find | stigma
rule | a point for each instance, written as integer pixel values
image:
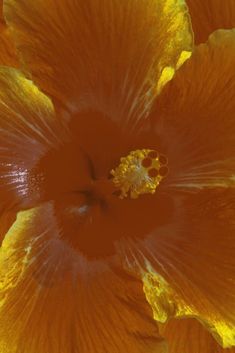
(139, 173)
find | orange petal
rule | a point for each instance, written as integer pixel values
(55, 300)
(107, 55)
(210, 15)
(194, 118)
(28, 129)
(190, 264)
(8, 55)
(189, 336)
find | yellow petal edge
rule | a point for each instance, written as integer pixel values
(166, 304)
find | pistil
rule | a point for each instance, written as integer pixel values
(139, 173)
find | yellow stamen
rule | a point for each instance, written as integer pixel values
(139, 173)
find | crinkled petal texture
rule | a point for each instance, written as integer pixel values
(54, 300)
(190, 262)
(8, 55)
(189, 336)
(210, 15)
(106, 55)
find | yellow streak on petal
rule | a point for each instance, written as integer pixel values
(168, 72)
(163, 300)
(185, 36)
(223, 333)
(184, 56)
(13, 264)
(167, 75)
(31, 90)
(166, 304)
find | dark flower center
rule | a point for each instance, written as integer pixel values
(101, 191)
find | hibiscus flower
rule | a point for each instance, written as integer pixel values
(117, 174)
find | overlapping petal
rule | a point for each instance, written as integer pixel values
(210, 15)
(189, 336)
(28, 129)
(188, 265)
(53, 299)
(106, 55)
(194, 117)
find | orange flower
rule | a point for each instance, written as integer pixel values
(117, 186)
